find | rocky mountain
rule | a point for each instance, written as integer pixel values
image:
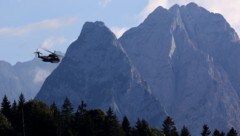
(32, 74)
(23, 77)
(10, 84)
(191, 60)
(97, 70)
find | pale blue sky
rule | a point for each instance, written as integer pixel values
(26, 25)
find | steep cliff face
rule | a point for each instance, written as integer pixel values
(97, 70)
(190, 59)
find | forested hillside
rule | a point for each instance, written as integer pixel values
(35, 118)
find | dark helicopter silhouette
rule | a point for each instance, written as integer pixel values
(52, 57)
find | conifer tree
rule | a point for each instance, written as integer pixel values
(81, 109)
(39, 119)
(185, 132)
(142, 128)
(56, 117)
(232, 132)
(80, 119)
(54, 109)
(15, 117)
(95, 123)
(14, 112)
(6, 107)
(67, 118)
(111, 124)
(156, 132)
(67, 109)
(222, 134)
(205, 131)
(126, 126)
(14, 106)
(21, 101)
(216, 133)
(5, 126)
(169, 128)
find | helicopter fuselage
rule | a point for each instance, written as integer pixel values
(50, 58)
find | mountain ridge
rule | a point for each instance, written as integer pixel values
(182, 61)
(23, 77)
(183, 54)
(96, 70)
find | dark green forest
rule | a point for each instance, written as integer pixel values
(35, 118)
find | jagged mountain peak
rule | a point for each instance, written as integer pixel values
(196, 19)
(97, 70)
(192, 5)
(97, 27)
(158, 10)
(174, 8)
(89, 27)
(195, 8)
(157, 15)
(94, 36)
(188, 56)
(4, 64)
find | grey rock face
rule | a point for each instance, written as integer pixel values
(10, 84)
(190, 59)
(23, 77)
(33, 74)
(97, 70)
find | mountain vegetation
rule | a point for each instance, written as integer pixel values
(35, 118)
(181, 62)
(96, 70)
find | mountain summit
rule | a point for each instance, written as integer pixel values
(185, 58)
(96, 70)
(190, 59)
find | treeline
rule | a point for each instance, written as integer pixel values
(34, 118)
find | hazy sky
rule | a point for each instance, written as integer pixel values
(26, 25)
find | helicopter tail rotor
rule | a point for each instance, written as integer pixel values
(37, 53)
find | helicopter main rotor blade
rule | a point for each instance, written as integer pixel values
(47, 50)
(60, 55)
(53, 52)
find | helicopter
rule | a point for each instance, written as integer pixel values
(52, 57)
